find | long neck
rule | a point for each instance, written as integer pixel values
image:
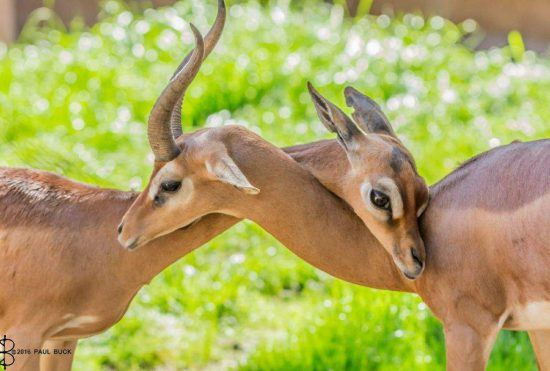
(133, 269)
(162, 252)
(310, 220)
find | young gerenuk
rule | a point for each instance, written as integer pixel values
(487, 251)
(382, 184)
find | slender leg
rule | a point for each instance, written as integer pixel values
(468, 349)
(24, 339)
(58, 362)
(540, 340)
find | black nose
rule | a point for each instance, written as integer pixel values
(120, 226)
(416, 257)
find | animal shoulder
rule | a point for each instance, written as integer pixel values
(501, 179)
(28, 195)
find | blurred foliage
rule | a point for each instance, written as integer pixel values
(76, 103)
(517, 47)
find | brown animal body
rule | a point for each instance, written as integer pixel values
(382, 184)
(502, 205)
(487, 237)
(64, 277)
(60, 254)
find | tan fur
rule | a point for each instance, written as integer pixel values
(480, 264)
(399, 234)
(108, 274)
(541, 345)
(60, 256)
(59, 253)
(379, 164)
(487, 235)
(60, 237)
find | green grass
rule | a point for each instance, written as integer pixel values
(76, 103)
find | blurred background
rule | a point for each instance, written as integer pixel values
(76, 87)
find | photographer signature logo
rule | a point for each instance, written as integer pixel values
(6, 347)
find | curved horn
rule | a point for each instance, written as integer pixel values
(210, 41)
(160, 135)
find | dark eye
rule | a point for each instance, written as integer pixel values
(170, 186)
(380, 200)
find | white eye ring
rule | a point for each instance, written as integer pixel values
(389, 187)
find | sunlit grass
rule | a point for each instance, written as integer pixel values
(76, 103)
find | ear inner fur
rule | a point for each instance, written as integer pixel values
(226, 171)
(334, 119)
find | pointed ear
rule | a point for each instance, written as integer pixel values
(334, 119)
(224, 169)
(367, 114)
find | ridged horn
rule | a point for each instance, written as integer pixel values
(210, 41)
(158, 130)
